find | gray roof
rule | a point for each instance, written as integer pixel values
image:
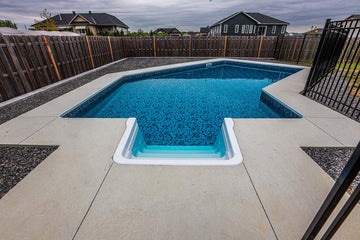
(168, 30)
(92, 18)
(264, 19)
(354, 16)
(259, 18)
(204, 30)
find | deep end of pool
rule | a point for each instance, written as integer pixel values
(133, 149)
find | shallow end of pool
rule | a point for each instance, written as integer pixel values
(134, 151)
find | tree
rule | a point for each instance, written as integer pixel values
(104, 32)
(47, 24)
(122, 33)
(89, 32)
(7, 23)
(116, 33)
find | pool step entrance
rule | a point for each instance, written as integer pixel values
(133, 149)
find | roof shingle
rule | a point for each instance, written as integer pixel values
(93, 18)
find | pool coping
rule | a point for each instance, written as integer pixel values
(232, 147)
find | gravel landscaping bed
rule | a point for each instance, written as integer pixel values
(18, 161)
(332, 160)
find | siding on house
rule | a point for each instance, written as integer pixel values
(248, 26)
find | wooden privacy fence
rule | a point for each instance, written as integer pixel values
(31, 62)
(298, 49)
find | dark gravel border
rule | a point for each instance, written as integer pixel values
(332, 160)
(18, 161)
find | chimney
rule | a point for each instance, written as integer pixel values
(89, 12)
(74, 12)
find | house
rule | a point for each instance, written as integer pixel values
(204, 31)
(293, 34)
(314, 31)
(191, 34)
(97, 22)
(249, 24)
(170, 31)
(353, 24)
(353, 17)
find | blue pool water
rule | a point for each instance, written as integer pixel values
(187, 108)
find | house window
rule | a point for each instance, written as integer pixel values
(242, 28)
(82, 31)
(283, 28)
(250, 29)
(247, 29)
(225, 28)
(254, 30)
(236, 28)
(273, 30)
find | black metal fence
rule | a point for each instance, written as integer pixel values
(334, 76)
(340, 187)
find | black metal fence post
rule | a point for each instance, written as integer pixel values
(315, 62)
(344, 212)
(334, 76)
(340, 187)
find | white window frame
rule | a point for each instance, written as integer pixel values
(283, 29)
(242, 29)
(225, 28)
(246, 29)
(273, 30)
(254, 30)
(237, 28)
(250, 29)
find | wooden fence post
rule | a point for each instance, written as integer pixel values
(190, 46)
(292, 56)
(154, 41)
(261, 40)
(91, 57)
(225, 45)
(51, 57)
(301, 49)
(111, 51)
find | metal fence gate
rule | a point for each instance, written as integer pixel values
(334, 76)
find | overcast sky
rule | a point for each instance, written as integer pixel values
(186, 15)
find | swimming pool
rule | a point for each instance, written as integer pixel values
(182, 110)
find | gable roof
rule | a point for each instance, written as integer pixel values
(315, 31)
(259, 18)
(204, 30)
(264, 19)
(168, 30)
(92, 18)
(353, 16)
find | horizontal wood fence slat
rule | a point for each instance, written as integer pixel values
(31, 62)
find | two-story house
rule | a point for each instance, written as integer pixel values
(248, 24)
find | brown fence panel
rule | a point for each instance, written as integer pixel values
(31, 62)
(100, 50)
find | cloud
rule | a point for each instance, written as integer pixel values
(184, 14)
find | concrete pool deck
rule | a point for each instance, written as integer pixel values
(79, 193)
